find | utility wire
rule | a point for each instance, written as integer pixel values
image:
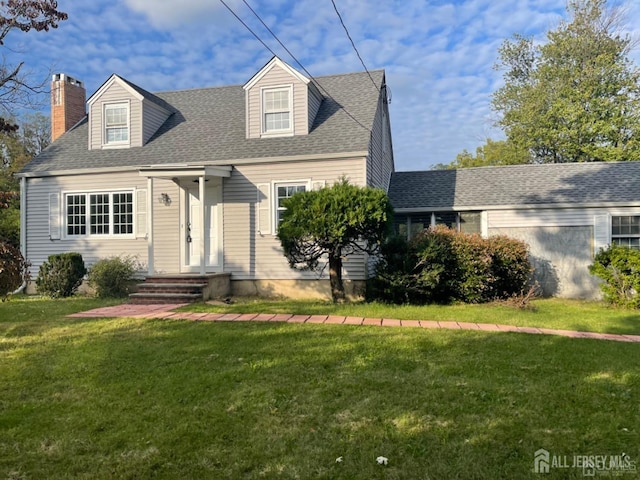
(248, 28)
(292, 56)
(353, 44)
(303, 67)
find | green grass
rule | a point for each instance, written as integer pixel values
(552, 313)
(134, 398)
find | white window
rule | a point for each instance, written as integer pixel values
(116, 124)
(99, 213)
(412, 224)
(276, 110)
(284, 191)
(76, 214)
(625, 231)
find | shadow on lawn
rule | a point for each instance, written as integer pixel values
(624, 323)
(255, 399)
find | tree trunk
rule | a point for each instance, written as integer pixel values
(335, 277)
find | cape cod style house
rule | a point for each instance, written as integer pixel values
(191, 182)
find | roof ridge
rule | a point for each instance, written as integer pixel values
(235, 85)
(526, 165)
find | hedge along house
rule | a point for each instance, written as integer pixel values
(564, 212)
(192, 182)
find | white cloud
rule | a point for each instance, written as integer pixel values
(169, 13)
(438, 55)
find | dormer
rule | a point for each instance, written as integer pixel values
(123, 115)
(280, 102)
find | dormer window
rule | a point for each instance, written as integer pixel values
(277, 116)
(116, 124)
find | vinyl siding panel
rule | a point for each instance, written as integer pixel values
(314, 101)
(153, 118)
(380, 161)
(38, 244)
(115, 94)
(277, 77)
(249, 255)
(549, 217)
(166, 227)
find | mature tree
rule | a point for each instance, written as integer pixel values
(575, 98)
(36, 133)
(18, 89)
(16, 149)
(494, 152)
(333, 222)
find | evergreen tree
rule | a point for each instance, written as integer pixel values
(333, 222)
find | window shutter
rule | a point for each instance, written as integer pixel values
(601, 232)
(55, 222)
(263, 208)
(141, 213)
(317, 184)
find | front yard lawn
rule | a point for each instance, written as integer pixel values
(135, 398)
(555, 313)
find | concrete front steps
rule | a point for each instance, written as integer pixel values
(166, 289)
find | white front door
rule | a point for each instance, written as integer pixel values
(192, 229)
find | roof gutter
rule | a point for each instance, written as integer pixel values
(232, 162)
(462, 208)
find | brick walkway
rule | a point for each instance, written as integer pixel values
(165, 311)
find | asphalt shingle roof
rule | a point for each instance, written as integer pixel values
(521, 185)
(209, 126)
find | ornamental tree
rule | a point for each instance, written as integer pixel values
(331, 223)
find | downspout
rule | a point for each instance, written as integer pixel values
(23, 226)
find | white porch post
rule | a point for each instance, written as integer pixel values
(150, 225)
(203, 229)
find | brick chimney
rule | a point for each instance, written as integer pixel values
(68, 98)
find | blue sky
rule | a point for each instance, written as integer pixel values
(438, 55)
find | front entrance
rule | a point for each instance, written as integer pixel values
(194, 226)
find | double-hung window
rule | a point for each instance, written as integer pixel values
(99, 213)
(284, 191)
(116, 124)
(625, 231)
(276, 110)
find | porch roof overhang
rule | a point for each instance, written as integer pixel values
(182, 171)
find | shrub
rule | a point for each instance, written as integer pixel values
(112, 277)
(61, 274)
(511, 266)
(14, 269)
(436, 269)
(393, 281)
(474, 279)
(619, 268)
(440, 265)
